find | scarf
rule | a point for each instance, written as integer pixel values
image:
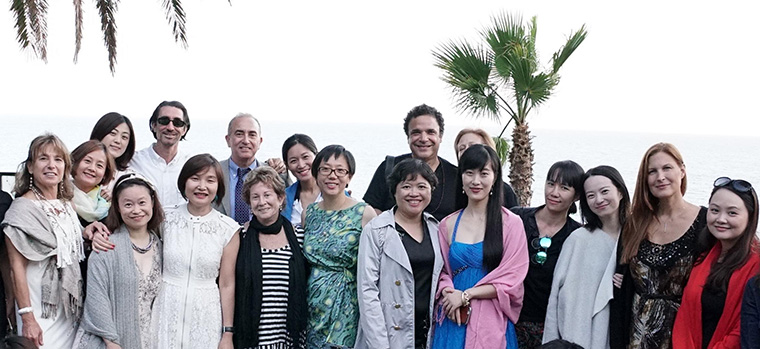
(248, 288)
(90, 206)
(32, 234)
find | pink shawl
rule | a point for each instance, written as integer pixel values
(488, 321)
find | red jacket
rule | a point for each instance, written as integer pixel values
(687, 331)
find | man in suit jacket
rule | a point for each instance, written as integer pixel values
(244, 139)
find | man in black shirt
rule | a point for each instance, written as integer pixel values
(423, 126)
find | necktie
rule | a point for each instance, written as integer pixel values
(242, 210)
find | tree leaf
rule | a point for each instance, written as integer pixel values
(18, 8)
(175, 14)
(575, 40)
(77, 28)
(106, 10)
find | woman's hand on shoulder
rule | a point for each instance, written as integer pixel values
(98, 233)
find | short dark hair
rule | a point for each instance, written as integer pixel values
(477, 157)
(105, 125)
(266, 175)
(297, 138)
(174, 104)
(333, 151)
(569, 173)
(592, 220)
(114, 220)
(197, 164)
(421, 110)
(409, 169)
(88, 147)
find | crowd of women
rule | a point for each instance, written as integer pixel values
(96, 262)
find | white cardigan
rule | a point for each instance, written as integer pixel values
(579, 309)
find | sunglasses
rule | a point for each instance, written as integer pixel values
(165, 120)
(542, 244)
(739, 185)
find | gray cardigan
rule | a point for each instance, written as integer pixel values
(579, 304)
(386, 285)
(111, 306)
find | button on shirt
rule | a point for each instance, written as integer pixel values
(164, 176)
(233, 184)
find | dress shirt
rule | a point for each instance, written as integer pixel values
(163, 175)
(233, 184)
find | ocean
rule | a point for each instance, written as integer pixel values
(707, 157)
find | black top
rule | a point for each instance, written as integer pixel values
(5, 203)
(510, 198)
(422, 258)
(442, 199)
(538, 282)
(713, 302)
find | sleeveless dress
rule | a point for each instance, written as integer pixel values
(467, 268)
(188, 311)
(331, 245)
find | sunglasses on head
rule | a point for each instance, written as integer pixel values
(165, 120)
(542, 244)
(739, 185)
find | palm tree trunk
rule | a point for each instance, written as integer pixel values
(521, 163)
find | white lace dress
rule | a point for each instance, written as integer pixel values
(188, 312)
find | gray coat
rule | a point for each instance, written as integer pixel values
(386, 285)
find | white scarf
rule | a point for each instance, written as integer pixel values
(90, 206)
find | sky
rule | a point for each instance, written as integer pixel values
(648, 66)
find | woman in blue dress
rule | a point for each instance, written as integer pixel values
(485, 262)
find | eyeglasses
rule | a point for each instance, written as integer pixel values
(739, 185)
(542, 244)
(339, 172)
(165, 120)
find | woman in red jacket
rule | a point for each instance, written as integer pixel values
(709, 316)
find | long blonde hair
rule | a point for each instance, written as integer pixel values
(24, 178)
(645, 205)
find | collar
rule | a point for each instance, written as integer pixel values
(234, 167)
(155, 157)
(387, 218)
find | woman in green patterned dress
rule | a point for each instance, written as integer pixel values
(331, 244)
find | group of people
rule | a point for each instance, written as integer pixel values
(109, 247)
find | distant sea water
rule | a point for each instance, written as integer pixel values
(706, 157)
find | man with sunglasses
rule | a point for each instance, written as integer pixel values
(162, 161)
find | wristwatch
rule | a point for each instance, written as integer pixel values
(228, 329)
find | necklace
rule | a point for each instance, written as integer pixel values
(141, 250)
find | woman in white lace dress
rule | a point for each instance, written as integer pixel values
(200, 244)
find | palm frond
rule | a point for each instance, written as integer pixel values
(36, 11)
(77, 28)
(559, 57)
(466, 69)
(175, 14)
(107, 10)
(18, 8)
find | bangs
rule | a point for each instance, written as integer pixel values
(475, 158)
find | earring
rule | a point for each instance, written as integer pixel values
(462, 191)
(31, 181)
(491, 193)
(60, 189)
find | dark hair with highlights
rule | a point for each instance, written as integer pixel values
(592, 220)
(103, 128)
(200, 163)
(747, 244)
(476, 158)
(114, 221)
(88, 147)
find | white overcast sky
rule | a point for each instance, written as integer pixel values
(652, 66)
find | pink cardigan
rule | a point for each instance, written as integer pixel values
(488, 321)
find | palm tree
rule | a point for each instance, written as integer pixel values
(30, 22)
(501, 75)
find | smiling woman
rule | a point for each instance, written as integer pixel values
(200, 244)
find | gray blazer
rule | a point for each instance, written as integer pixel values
(386, 285)
(225, 207)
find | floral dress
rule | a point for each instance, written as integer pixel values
(188, 311)
(331, 245)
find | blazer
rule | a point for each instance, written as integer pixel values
(386, 285)
(225, 208)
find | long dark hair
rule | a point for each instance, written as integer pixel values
(720, 273)
(592, 220)
(477, 157)
(105, 125)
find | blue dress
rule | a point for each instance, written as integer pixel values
(467, 268)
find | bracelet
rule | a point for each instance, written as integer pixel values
(228, 329)
(25, 310)
(465, 298)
